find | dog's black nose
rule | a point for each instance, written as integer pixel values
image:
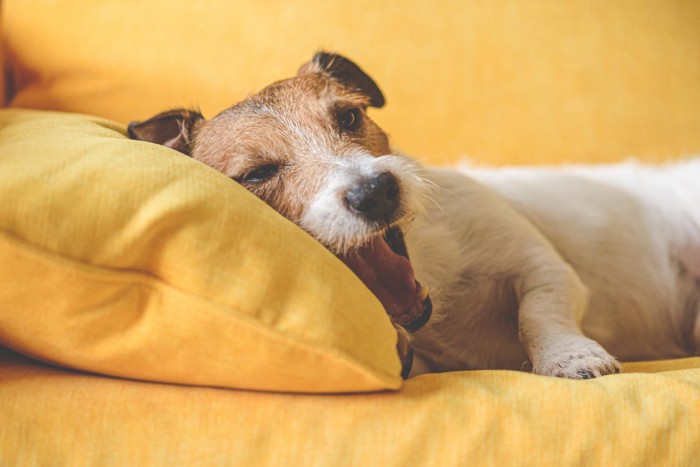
(376, 198)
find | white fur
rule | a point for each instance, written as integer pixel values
(327, 217)
(522, 262)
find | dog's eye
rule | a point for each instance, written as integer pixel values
(260, 174)
(350, 119)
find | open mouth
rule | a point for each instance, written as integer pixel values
(383, 265)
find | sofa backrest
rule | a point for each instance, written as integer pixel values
(502, 82)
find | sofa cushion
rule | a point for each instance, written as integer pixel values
(130, 259)
(480, 418)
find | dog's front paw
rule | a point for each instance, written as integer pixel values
(575, 358)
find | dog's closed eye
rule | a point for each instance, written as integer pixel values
(259, 174)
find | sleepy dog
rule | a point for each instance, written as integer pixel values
(546, 269)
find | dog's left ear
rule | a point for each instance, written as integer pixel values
(345, 71)
(172, 129)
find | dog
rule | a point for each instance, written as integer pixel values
(549, 270)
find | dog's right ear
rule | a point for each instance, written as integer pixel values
(172, 129)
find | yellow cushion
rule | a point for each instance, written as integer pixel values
(502, 81)
(490, 418)
(130, 259)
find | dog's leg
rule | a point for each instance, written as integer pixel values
(552, 301)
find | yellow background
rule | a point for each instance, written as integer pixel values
(496, 80)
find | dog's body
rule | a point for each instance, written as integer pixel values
(630, 233)
(520, 263)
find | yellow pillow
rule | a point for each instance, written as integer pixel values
(129, 259)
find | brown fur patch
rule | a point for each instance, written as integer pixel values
(294, 125)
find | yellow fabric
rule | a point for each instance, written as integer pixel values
(130, 259)
(661, 365)
(500, 81)
(485, 418)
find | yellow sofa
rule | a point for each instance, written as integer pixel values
(152, 312)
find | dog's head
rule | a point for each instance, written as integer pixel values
(307, 147)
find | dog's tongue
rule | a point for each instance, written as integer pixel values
(391, 279)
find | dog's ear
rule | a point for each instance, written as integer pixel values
(346, 72)
(172, 129)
